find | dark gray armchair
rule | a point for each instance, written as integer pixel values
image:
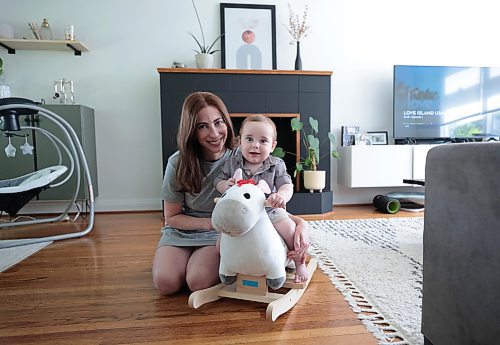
(461, 265)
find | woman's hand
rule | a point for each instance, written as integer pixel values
(300, 239)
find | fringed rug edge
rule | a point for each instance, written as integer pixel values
(373, 320)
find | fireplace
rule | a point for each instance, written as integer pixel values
(280, 95)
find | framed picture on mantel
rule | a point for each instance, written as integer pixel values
(249, 40)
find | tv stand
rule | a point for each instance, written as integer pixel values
(437, 141)
(381, 165)
(415, 141)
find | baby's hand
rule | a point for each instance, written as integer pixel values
(276, 200)
(230, 182)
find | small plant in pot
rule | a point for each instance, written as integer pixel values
(314, 179)
(204, 56)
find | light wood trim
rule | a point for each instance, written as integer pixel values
(61, 45)
(239, 71)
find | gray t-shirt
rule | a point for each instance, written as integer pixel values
(196, 205)
(273, 171)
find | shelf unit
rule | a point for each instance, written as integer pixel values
(62, 45)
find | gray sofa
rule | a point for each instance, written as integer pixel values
(461, 265)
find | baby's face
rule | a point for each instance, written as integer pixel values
(257, 141)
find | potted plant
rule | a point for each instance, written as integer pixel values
(204, 57)
(314, 179)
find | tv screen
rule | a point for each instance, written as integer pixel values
(439, 102)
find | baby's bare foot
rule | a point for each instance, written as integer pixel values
(301, 274)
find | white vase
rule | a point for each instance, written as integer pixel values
(314, 180)
(204, 60)
(4, 89)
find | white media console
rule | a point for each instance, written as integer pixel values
(381, 165)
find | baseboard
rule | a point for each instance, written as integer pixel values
(101, 205)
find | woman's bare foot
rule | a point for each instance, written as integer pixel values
(301, 274)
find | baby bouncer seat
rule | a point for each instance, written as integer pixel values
(16, 192)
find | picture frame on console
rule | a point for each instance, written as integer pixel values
(348, 135)
(249, 40)
(378, 138)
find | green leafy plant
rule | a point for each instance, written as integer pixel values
(278, 152)
(312, 143)
(204, 48)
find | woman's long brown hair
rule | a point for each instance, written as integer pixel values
(189, 173)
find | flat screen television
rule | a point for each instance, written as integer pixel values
(444, 103)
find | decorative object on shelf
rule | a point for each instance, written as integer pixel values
(203, 61)
(249, 40)
(314, 179)
(348, 135)
(4, 88)
(298, 60)
(378, 138)
(69, 33)
(298, 29)
(177, 64)
(61, 92)
(362, 138)
(45, 30)
(34, 30)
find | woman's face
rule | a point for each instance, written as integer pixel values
(211, 132)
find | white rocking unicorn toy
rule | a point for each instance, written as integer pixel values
(253, 255)
(249, 243)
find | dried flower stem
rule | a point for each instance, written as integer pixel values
(297, 27)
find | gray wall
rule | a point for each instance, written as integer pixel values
(358, 40)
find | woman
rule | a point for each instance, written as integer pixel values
(186, 253)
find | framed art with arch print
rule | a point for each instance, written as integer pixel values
(249, 40)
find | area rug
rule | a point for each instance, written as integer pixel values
(11, 256)
(377, 265)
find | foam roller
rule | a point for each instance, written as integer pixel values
(386, 204)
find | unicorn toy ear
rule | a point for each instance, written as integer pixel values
(264, 187)
(238, 175)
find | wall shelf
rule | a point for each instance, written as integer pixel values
(61, 45)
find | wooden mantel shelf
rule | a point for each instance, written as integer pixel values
(240, 71)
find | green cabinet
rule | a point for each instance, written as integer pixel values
(81, 119)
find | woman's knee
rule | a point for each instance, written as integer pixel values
(202, 281)
(203, 268)
(167, 283)
(169, 269)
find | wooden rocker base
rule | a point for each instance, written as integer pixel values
(255, 289)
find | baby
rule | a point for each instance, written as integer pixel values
(257, 141)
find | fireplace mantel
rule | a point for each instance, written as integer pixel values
(240, 71)
(255, 91)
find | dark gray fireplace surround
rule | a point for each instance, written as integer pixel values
(267, 92)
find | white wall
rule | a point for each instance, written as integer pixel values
(359, 40)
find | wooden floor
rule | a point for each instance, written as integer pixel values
(98, 290)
